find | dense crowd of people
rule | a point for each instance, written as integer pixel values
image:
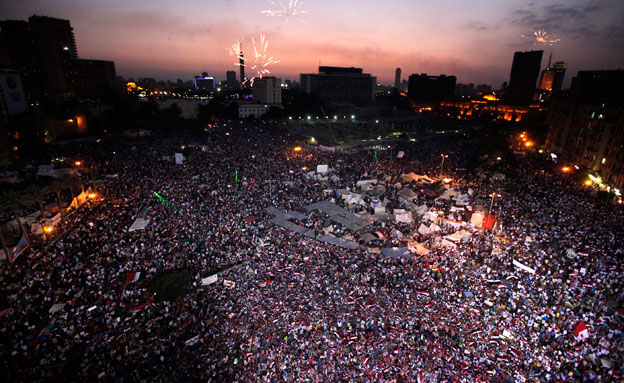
(300, 310)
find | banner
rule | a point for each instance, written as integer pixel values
(227, 283)
(18, 249)
(209, 280)
(523, 267)
(322, 168)
(327, 148)
(179, 158)
(401, 154)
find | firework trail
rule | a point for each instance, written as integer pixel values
(259, 62)
(236, 50)
(542, 37)
(285, 8)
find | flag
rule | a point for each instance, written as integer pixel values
(419, 379)
(251, 184)
(422, 292)
(581, 332)
(133, 276)
(18, 249)
(376, 160)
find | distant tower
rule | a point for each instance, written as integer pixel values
(552, 77)
(241, 62)
(397, 78)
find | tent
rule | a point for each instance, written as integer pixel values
(417, 248)
(401, 215)
(139, 224)
(395, 252)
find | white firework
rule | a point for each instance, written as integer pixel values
(259, 62)
(542, 37)
(285, 8)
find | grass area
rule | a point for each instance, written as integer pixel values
(171, 285)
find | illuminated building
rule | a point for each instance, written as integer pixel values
(552, 77)
(431, 88)
(340, 84)
(524, 72)
(241, 62)
(205, 83)
(268, 90)
(587, 129)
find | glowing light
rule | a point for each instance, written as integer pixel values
(542, 37)
(77, 163)
(565, 169)
(92, 195)
(490, 97)
(528, 144)
(70, 120)
(447, 180)
(285, 8)
(588, 182)
(48, 229)
(297, 148)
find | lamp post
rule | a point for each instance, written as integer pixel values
(90, 169)
(442, 164)
(493, 195)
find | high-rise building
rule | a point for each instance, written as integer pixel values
(230, 80)
(524, 72)
(397, 78)
(600, 85)
(586, 129)
(552, 77)
(90, 80)
(44, 51)
(241, 63)
(340, 84)
(431, 88)
(268, 90)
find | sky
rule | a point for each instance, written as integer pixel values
(471, 39)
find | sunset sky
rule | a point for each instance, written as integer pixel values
(472, 39)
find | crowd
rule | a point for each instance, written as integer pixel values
(300, 310)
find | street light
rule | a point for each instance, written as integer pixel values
(493, 195)
(443, 157)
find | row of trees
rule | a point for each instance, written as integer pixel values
(34, 192)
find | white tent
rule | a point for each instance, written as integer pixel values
(139, 224)
(476, 219)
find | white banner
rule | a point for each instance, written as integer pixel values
(322, 168)
(401, 154)
(523, 267)
(210, 280)
(179, 158)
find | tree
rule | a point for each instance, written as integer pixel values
(11, 200)
(57, 186)
(36, 193)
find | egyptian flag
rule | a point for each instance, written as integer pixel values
(18, 249)
(580, 332)
(422, 292)
(133, 276)
(514, 353)
(251, 184)
(380, 235)
(419, 378)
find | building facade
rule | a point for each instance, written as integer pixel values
(524, 72)
(90, 80)
(340, 84)
(422, 87)
(268, 90)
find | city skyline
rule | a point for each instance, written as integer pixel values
(476, 42)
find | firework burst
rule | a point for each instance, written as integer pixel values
(259, 62)
(285, 8)
(542, 37)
